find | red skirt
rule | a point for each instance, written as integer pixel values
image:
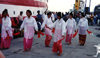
(82, 39)
(57, 47)
(48, 40)
(27, 44)
(5, 43)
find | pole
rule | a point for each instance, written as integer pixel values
(85, 5)
(90, 5)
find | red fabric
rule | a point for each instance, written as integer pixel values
(57, 46)
(74, 35)
(47, 27)
(13, 23)
(39, 35)
(5, 43)
(89, 32)
(42, 33)
(68, 38)
(31, 3)
(27, 44)
(53, 30)
(48, 40)
(16, 33)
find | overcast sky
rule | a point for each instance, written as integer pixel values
(65, 5)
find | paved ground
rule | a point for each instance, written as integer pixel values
(40, 51)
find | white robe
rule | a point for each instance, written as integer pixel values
(71, 26)
(6, 26)
(29, 24)
(49, 24)
(83, 26)
(59, 29)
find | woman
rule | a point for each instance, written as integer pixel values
(6, 32)
(48, 24)
(59, 34)
(82, 27)
(28, 24)
(70, 27)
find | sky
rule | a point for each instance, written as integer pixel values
(66, 5)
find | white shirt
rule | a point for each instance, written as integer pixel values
(83, 23)
(60, 25)
(29, 22)
(71, 25)
(47, 22)
(83, 26)
(6, 23)
(20, 17)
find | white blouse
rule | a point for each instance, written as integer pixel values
(71, 23)
(60, 25)
(6, 23)
(29, 22)
(48, 22)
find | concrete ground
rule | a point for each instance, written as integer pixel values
(69, 51)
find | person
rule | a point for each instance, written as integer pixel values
(6, 31)
(59, 34)
(1, 55)
(91, 18)
(70, 28)
(48, 24)
(95, 19)
(28, 24)
(44, 15)
(82, 29)
(20, 17)
(39, 22)
(52, 17)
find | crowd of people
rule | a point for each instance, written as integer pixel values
(58, 24)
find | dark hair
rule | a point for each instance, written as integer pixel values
(5, 11)
(38, 11)
(49, 13)
(71, 14)
(21, 12)
(29, 12)
(59, 14)
(82, 14)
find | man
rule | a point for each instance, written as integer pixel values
(20, 17)
(39, 22)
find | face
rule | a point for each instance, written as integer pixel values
(28, 14)
(49, 16)
(5, 14)
(70, 16)
(58, 17)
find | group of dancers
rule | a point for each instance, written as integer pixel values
(60, 28)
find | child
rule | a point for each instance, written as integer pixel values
(59, 34)
(28, 24)
(71, 27)
(6, 34)
(82, 27)
(48, 24)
